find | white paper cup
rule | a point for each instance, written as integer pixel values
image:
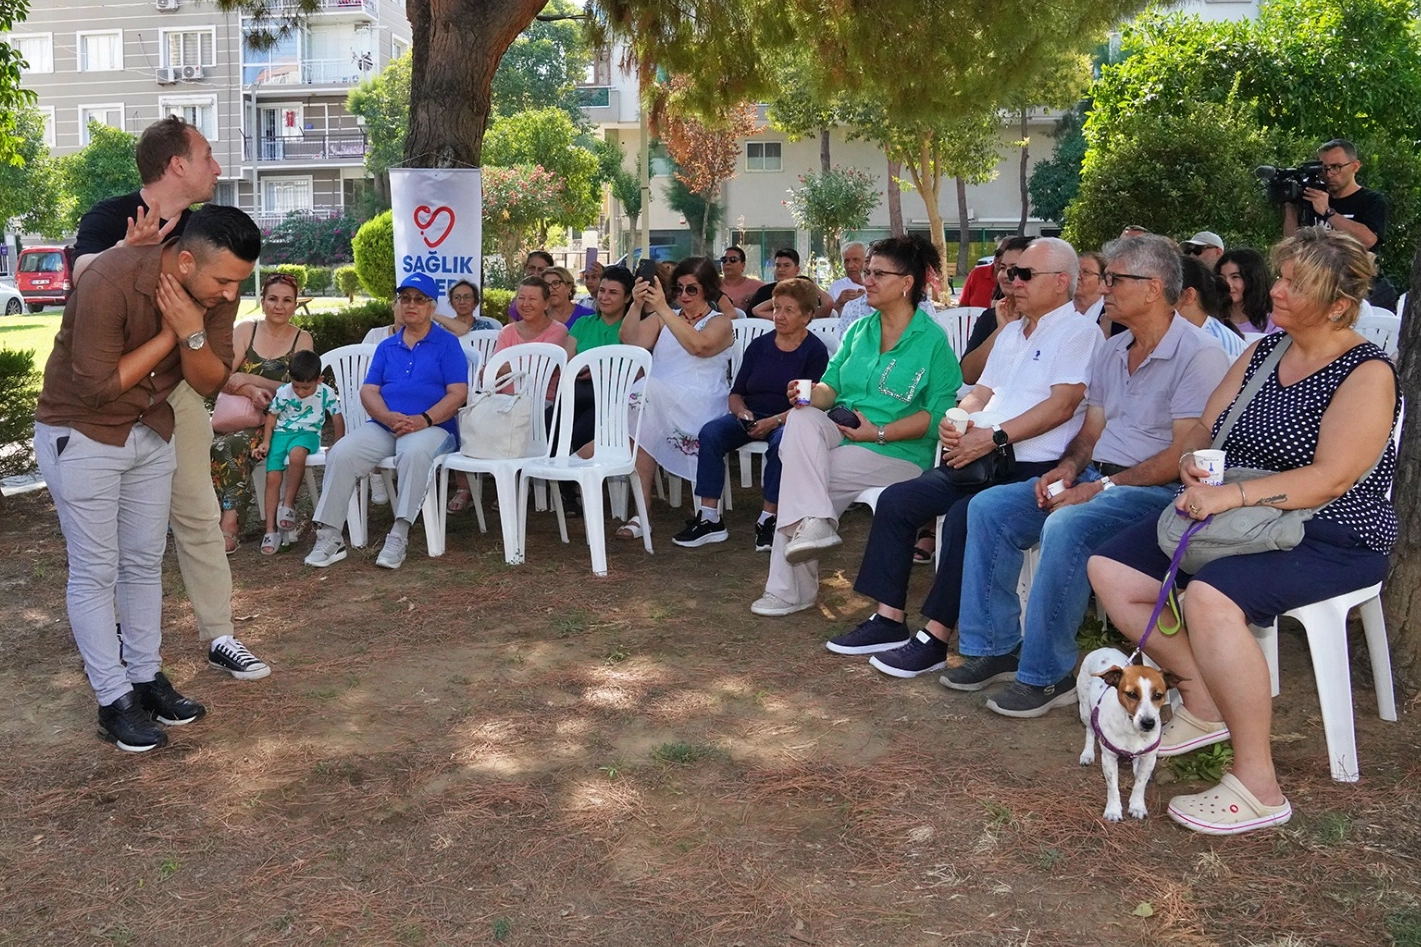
(1055, 488)
(802, 388)
(957, 418)
(1212, 461)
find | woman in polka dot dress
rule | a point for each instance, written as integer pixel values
(1322, 420)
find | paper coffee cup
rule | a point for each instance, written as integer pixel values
(802, 388)
(1213, 462)
(957, 418)
(1055, 488)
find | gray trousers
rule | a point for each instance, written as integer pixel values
(356, 454)
(113, 508)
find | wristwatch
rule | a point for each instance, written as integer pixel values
(197, 340)
(1328, 215)
(999, 437)
(1105, 483)
(882, 434)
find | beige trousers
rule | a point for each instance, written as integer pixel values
(822, 475)
(196, 518)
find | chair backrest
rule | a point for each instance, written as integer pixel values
(1381, 327)
(350, 364)
(535, 363)
(828, 332)
(612, 369)
(957, 323)
(481, 341)
(746, 331)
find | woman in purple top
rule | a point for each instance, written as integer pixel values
(757, 412)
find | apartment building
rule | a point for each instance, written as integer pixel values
(276, 118)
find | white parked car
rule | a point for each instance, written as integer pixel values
(11, 300)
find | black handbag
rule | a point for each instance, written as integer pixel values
(986, 471)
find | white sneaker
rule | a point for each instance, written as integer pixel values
(772, 606)
(327, 551)
(812, 537)
(392, 554)
(377, 490)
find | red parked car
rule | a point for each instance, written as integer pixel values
(43, 277)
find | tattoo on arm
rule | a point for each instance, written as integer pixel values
(1272, 501)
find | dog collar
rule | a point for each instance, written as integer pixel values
(1123, 755)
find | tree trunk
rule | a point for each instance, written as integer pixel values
(1025, 154)
(824, 150)
(964, 231)
(928, 180)
(895, 197)
(1401, 594)
(450, 77)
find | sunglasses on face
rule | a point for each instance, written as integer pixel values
(412, 299)
(1193, 250)
(1026, 274)
(687, 289)
(731, 259)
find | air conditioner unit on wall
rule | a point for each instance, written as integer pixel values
(190, 72)
(166, 75)
(166, 4)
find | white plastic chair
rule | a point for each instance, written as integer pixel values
(1381, 327)
(957, 323)
(537, 362)
(481, 341)
(613, 369)
(349, 364)
(828, 332)
(746, 331)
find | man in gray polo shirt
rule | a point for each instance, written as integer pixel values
(1148, 386)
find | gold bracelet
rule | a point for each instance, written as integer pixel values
(1243, 497)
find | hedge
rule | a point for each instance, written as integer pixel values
(347, 326)
(19, 390)
(495, 304)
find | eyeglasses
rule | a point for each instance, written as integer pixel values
(554, 281)
(687, 289)
(1026, 274)
(1109, 278)
(461, 297)
(731, 259)
(416, 299)
(1335, 168)
(879, 274)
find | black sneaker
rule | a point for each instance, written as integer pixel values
(127, 725)
(922, 653)
(976, 673)
(230, 655)
(165, 704)
(765, 535)
(700, 531)
(871, 636)
(1028, 700)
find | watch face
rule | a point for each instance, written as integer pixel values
(999, 438)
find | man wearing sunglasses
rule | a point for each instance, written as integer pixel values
(1345, 205)
(733, 281)
(1206, 245)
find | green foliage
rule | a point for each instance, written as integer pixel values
(1055, 182)
(104, 168)
(702, 217)
(1393, 167)
(520, 204)
(302, 238)
(374, 247)
(19, 389)
(1207, 765)
(346, 326)
(626, 188)
(318, 280)
(832, 202)
(383, 101)
(547, 138)
(14, 100)
(543, 66)
(1404, 926)
(347, 281)
(681, 752)
(1186, 170)
(494, 303)
(29, 181)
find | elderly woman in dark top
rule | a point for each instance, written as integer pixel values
(1323, 421)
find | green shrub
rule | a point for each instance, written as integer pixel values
(318, 280)
(249, 285)
(374, 246)
(495, 304)
(301, 274)
(347, 282)
(19, 388)
(347, 326)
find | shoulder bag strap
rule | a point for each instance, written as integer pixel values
(1260, 377)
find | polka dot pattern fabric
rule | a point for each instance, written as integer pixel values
(1279, 429)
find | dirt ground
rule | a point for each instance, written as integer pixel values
(463, 752)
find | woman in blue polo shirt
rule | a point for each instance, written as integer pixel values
(418, 381)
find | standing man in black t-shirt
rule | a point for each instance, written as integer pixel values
(1345, 205)
(176, 166)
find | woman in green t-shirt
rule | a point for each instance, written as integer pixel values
(870, 422)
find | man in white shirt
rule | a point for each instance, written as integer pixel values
(850, 286)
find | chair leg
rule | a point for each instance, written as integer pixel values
(1267, 638)
(595, 521)
(1374, 624)
(747, 469)
(355, 512)
(506, 482)
(553, 488)
(725, 500)
(1326, 626)
(673, 489)
(540, 495)
(617, 496)
(521, 513)
(259, 490)
(435, 517)
(310, 479)
(476, 496)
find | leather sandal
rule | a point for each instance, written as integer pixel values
(460, 501)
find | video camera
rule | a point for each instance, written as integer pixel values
(1286, 185)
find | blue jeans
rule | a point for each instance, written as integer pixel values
(720, 437)
(1004, 522)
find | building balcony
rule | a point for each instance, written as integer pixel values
(281, 77)
(600, 104)
(267, 220)
(306, 147)
(281, 8)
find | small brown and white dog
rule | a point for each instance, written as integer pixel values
(1120, 706)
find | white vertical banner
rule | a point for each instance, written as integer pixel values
(438, 215)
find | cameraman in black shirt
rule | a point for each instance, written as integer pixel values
(1345, 205)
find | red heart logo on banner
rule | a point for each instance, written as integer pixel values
(424, 219)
